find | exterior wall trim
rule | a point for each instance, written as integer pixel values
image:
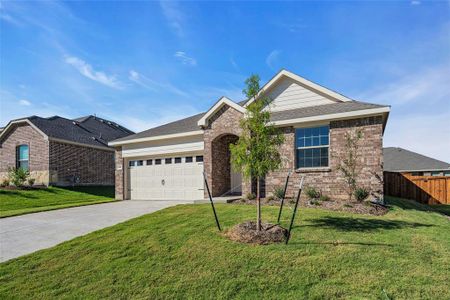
(80, 144)
(158, 137)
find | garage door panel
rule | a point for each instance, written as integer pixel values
(182, 181)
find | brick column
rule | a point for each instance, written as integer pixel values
(119, 174)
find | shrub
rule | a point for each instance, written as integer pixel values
(250, 196)
(324, 198)
(18, 176)
(31, 181)
(5, 182)
(312, 193)
(361, 193)
(315, 202)
(278, 192)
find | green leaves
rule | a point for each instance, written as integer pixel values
(256, 152)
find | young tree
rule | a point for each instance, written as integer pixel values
(348, 161)
(256, 152)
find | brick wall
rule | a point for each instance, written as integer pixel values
(24, 134)
(331, 181)
(89, 165)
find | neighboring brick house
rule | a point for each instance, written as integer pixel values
(167, 162)
(59, 151)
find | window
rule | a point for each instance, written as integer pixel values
(188, 159)
(446, 173)
(312, 147)
(178, 160)
(168, 161)
(149, 162)
(199, 158)
(157, 161)
(22, 157)
(417, 173)
(131, 163)
(140, 163)
(436, 173)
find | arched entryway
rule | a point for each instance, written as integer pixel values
(224, 181)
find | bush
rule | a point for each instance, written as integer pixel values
(324, 198)
(18, 176)
(312, 193)
(31, 181)
(361, 194)
(5, 182)
(278, 192)
(250, 196)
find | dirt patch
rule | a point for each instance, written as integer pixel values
(247, 233)
(366, 208)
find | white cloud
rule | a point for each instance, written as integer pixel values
(185, 59)
(174, 16)
(272, 59)
(425, 85)
(153, 85)
(86, 70)
(24, 102)
(415, 2)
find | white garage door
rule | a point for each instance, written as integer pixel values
(174, 178)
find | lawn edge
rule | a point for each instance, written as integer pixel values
(50, 208)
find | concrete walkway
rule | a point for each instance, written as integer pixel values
(28, 233)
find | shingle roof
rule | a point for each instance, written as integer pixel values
(89, 130)
(326, 109)
(190, 123)
(399, 159)
(180, 126)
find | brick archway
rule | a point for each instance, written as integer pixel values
(221, 165)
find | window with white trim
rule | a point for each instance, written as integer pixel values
(22, 156)
(312, 145)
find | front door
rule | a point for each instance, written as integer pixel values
(236, 182)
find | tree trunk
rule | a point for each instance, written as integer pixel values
(258, 206)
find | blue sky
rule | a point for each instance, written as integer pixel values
(142, 63)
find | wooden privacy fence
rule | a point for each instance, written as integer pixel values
(424, 189)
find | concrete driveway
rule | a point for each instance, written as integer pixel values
(28, 233)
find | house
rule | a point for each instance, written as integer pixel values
(403, 161)
(414, 176)
(167, 162)
(59, 151)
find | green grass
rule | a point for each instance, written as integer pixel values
(177, 253)
(18, 202)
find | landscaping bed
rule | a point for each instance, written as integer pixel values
(178, 253)
(334, 205)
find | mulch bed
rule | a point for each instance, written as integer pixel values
(366, 208)
(247, 233)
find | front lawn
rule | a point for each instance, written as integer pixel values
(18, 202)
(178, 253)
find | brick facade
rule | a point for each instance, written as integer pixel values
(223, 128)
(71, 164)
(56, 163)
(330, 181)
(24, 134)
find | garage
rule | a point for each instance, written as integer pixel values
(166, 178)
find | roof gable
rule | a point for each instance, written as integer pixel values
(288, 82)
(216, 107)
